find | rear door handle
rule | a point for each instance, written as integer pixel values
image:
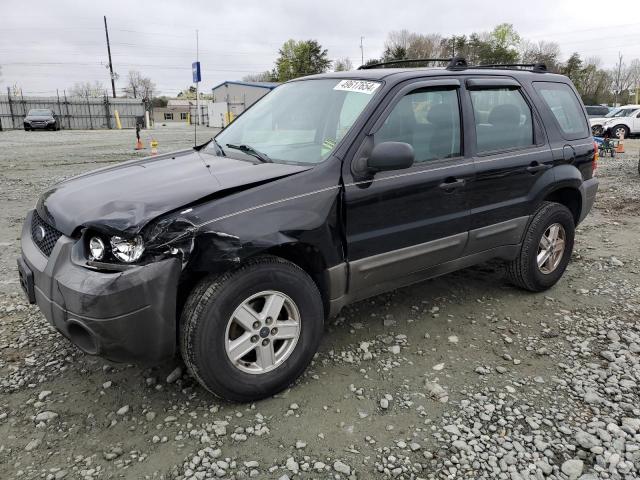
(536, 167)
(451, 184)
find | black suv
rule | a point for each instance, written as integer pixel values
(329, 190)
(41, 118)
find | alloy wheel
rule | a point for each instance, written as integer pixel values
(551, 248)
(262, 332)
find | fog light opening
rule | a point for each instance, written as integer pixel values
(83, 338)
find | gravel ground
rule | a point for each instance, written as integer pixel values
(462, 376)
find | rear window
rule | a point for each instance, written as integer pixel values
(566, 107)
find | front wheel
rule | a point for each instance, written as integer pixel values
(251, 332)
(546, 249)
(620, 131)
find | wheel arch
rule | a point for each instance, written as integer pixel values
(570, 197)
(309, 259)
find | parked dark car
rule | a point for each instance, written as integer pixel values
(41, 118)
(597, 111)
(329, 190)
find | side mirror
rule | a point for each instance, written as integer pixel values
(390, 156)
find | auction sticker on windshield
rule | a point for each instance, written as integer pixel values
(362, 86)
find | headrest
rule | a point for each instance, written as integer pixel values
(440, 115)
(504, 115)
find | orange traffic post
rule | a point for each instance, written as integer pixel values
(620, 146)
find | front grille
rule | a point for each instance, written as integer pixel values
(51, 235)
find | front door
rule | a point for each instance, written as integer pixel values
(402, 222)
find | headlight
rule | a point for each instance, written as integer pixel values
(127, 250)
(96, 247)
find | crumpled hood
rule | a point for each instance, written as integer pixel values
(127, 196)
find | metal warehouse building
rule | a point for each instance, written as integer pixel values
(231, 98)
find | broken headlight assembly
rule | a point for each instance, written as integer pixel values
(127, 250)
(106, 248)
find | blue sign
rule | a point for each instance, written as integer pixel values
(195, 69)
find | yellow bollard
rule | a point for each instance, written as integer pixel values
(188, 118)
(154, 146)
(118, 124)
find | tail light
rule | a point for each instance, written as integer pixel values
(596, 156)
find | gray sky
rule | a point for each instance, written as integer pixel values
(46, 45)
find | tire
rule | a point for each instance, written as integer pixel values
(209, 317)
(26, 129)
(597, 130)
(615, 131)
(524, 271)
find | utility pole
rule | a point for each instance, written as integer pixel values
(195, 131)
(361, 51)
(113, 83)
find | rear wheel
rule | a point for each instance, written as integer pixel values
(546, 249)
(251, 332)
(597, 130)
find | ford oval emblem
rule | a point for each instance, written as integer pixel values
(40, 233)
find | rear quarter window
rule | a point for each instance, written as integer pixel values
(565, 107)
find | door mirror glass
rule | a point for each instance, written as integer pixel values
(390, 156)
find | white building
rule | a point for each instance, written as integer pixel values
(231, 98)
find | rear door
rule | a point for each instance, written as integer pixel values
(401, 222)
(510, 154)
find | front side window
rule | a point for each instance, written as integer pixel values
(183, 115)
(428, 120)
(503, 119)
(299, 122)
(565, 107)
(168, 116)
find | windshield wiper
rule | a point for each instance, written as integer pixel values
(219, 147)
(249, 150)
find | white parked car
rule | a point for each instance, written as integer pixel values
(621, 122)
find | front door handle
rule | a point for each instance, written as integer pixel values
(450, 184)
(536, 167)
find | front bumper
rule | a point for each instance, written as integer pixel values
(588, 191)
(39, 125)
(127, 316)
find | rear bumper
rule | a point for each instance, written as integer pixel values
(127, 316)
(588, 191)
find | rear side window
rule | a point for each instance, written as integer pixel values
(566, 107)
(503, 119)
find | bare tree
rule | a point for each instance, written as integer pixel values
(403, 44)
(622, 78)
(425, 46)
(540, 52)
(266, 76)
(139, 86)
(342, 65)
(88, 89)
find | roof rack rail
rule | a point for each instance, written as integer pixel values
(455, 62)
(535, 67)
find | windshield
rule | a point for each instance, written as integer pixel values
(36, 112)
(298, 122)
(621, 112)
